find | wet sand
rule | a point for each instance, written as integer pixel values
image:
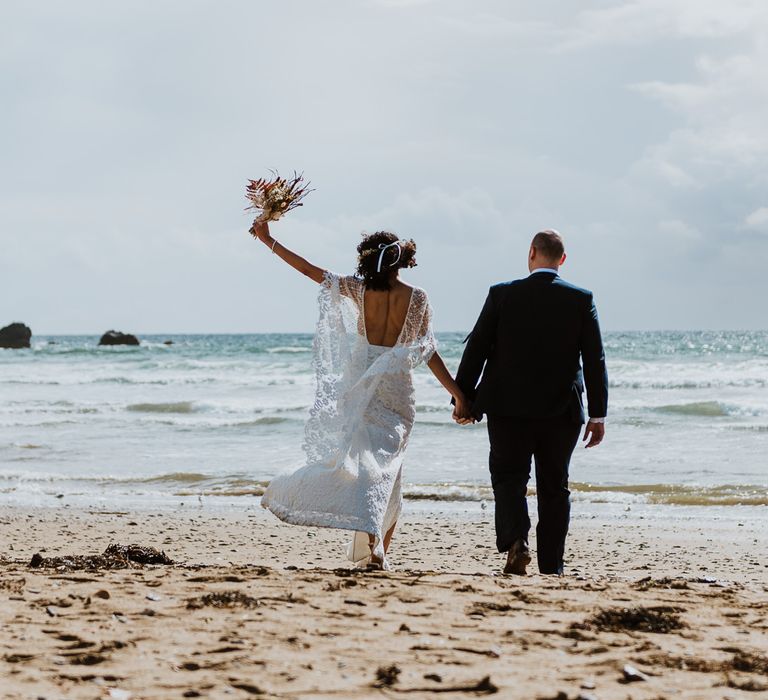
(650, 608)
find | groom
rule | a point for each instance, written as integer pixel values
(529, 342)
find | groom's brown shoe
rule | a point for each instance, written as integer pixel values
(518, 558)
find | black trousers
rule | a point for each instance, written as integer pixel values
(550, 442)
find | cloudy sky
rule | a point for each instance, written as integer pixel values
(127, 132)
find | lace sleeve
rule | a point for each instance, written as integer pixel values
(423, 334)
(334, 345)
(349, 286)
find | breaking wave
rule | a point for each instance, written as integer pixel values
(713, 409)
(236, 485)
(173, 407)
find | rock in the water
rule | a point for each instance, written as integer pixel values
(118, 338)
(17, 335)
(167, 342)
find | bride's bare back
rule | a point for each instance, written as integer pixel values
(385, 313)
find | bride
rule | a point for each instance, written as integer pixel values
(373, 329)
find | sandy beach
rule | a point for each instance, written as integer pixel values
(267, 250)
(254, 608)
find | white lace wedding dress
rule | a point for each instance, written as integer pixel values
(360, 423)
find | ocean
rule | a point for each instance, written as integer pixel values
(211, 418)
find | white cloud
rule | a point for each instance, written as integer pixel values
(719, 147)
(725, 111)
(758, 219)
(484, 24)
(646, 21)
(680, 230)
(468, 216)
(657, 168)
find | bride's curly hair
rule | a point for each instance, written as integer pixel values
(368, 252)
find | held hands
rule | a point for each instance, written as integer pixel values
(461, 411)
(595, 432)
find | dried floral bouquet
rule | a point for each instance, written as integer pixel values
(273, 198)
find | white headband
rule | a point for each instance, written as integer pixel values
(382, 248)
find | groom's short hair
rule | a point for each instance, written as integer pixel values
(549, 243)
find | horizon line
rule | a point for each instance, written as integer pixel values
(311, 332)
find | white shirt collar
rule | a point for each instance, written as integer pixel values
(545, 269)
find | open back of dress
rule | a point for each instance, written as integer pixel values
(360, 422)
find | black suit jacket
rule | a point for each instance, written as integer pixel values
(529, 342)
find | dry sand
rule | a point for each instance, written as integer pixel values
(256, 608)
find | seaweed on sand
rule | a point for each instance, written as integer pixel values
(660, 619)
(116, 556)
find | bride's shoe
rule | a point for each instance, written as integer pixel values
(360, 551)
(377, 564)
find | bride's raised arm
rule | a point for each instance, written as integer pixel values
(260, 230)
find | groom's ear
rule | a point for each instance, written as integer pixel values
(562, 260)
